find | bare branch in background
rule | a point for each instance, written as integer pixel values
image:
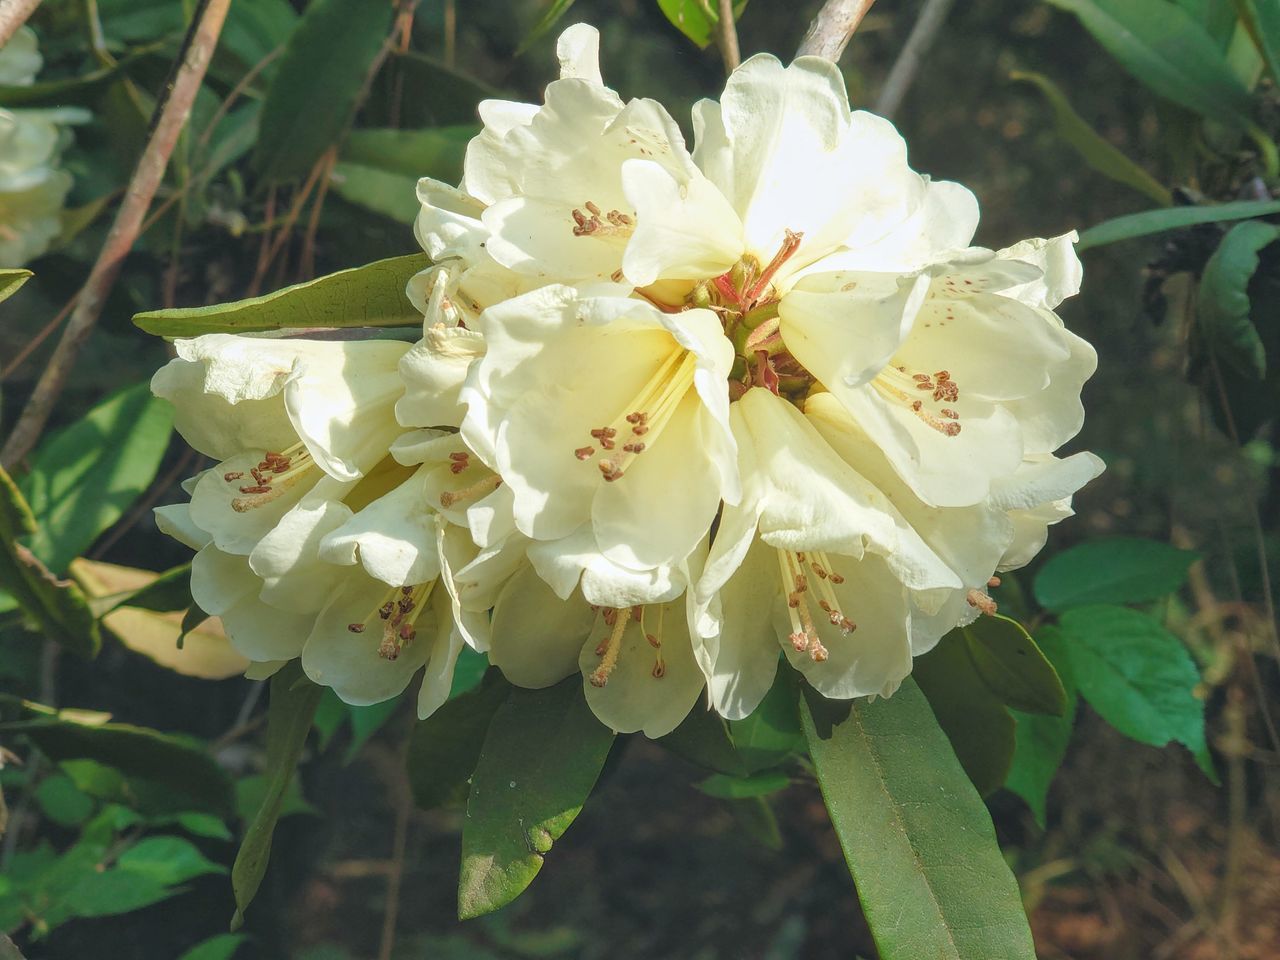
(13, 14)
(927, 25)
(171, 116)
(727, 37)
(831, 29)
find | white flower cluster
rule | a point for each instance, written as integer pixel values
(32, 187)
(673, 412)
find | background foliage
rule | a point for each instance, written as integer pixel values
(1153, 605)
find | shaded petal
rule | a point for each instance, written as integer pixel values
(393, 538)
(537, 635)
(433, 370)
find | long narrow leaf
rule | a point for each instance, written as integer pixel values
(1161, 221)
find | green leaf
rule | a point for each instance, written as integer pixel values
(540, 759)
(444, 748)
(1136, 674)
(1150, 222)
(85, 476)
(317, 84)
(293, 703)
(1012, 666)
(1166, 49)
(432, 152)
(916, 835)
(554, 12)
(203, 825)
(1223, 313)
(1111, 570)
(179, 764)
(703, 739)
(11, 279)
(974, 719)
(1261, 19)
(368, 296)
(442, 95)
(1094, 149)
(772, 732)
(757, 820)
(386, 192)
(696, 19)
(167, 860)
(1041, 739)
(58, 608)
(221, 947)
(63, 802)
(742, 788)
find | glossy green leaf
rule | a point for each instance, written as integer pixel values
(317, 84)
(917, 837)
(742, 788)
(1112, 570)
(1098, 152)
(57, 608)
(541, 756)
(221, 947)
(1224, 313)
(696, 19)
(11, 279)
(368, 296)
(293, 704)
(1162, 46)
(1042, 739)
(84, 477)
(1149, 222)
(555, 10)
(181, 765)
(974, 719)
(62, 801)
(1136, 674)
(1012, 666)
(444, 748)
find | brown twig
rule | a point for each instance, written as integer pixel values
(903, 72)
(171, 116)
(13, 14)
(727, 37)
(831, 29)
(34, 343)
(307, 262)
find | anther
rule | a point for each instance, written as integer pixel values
(356, 627)
(610, 470)
(653, 641)
(407, 633)
(982, 602)
(232, 475)
(386, 610)
(993, 582)
(260, 488)
(659, 669)
(633, 447)
(584, 453)
(817, 652)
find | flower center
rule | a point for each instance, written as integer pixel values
(274, 474)
(398, 613)
(631, 432)
(926, 395)
(804, 577)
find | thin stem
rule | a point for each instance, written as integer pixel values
(727, 37)
(831, 29)
(903, 73)
(170, 117)
(13, 14)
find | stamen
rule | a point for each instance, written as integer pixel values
(612, 648)
(939, 386)
(273, 475)
(398, 616)
(477, 489)
(789, 247)
(613, 223)
(982, 602)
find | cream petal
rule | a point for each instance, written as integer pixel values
(640, 695)
(537, 635)
(844, 327)
(433, 370)
(174, 520)
(287, 558)
(739, 657)
(448, 223)
(873, 659)
(1060, 270)
(349, 662)
(578, 50)
(214, 425)
(576, 561)
(1053, 416)
(222, 585)
(393, 538)
(684, 230)
(446, 644)
(238, 520)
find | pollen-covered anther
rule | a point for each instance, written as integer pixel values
(633, 447)
(232, 475)
(459, 461)
(982, 602)
(817, 652)
(994, 581)
(599, 223)
(355, 627)
(273, 475)
(612, 648)
(609, 470)
(584, 453)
